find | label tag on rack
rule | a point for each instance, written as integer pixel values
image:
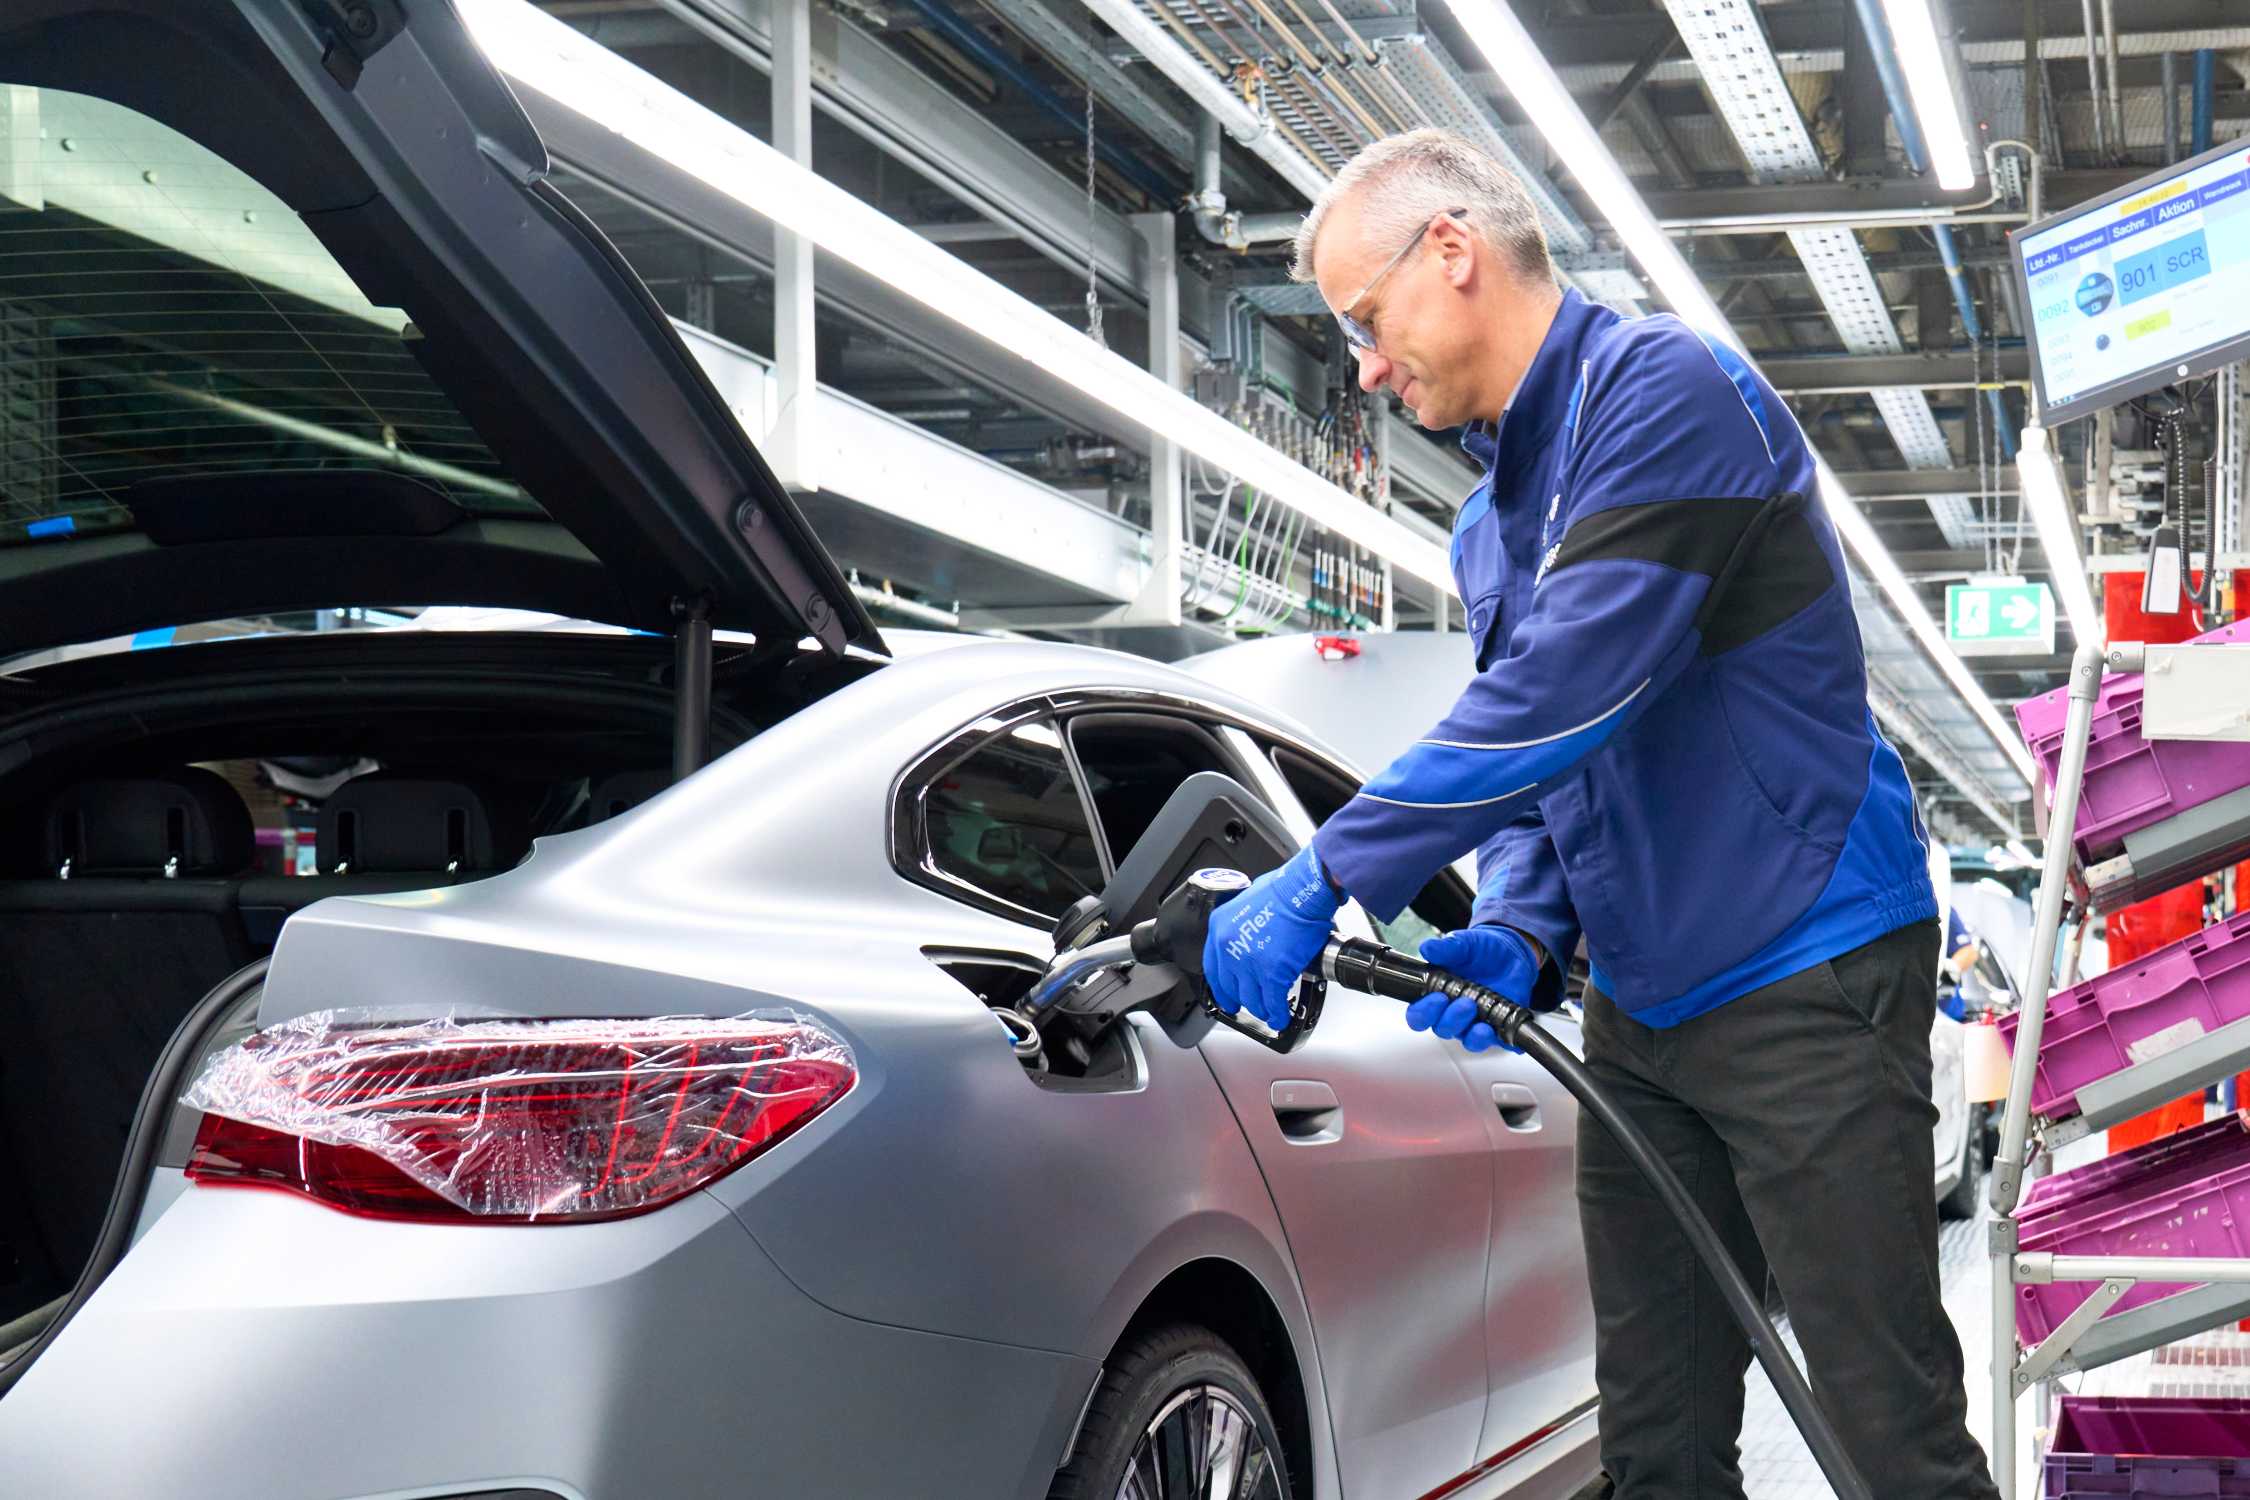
(2171, 1039)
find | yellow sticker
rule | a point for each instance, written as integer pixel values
(2159, 196)
(2150, 324)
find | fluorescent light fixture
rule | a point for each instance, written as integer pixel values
(2049, 503)
(1525, 72)
(537, 51)
(1914, 38)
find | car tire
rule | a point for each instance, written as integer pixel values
(1159, 1400)
(1962, 1202)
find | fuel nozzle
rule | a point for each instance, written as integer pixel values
(1174, 936)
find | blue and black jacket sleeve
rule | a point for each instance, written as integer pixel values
(1668, 463)
(1520, 884)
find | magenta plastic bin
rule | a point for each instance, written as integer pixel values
(2166, 1216)
(2139, 1011)
(2130, 782)
(2149, 1448)
(2114, 1182)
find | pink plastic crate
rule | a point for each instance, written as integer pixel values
(2169, 1215)
(2131, 782)
(2145, 1448)
(2112, 1182)
(2138, 1012)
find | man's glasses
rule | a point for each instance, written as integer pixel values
(1356, 333)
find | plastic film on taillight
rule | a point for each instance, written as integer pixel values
(525, 1120)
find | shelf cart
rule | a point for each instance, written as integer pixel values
(2197, 841)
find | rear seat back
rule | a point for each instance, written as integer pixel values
(387, 832)
(99, 960)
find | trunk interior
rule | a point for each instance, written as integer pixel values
(166, 811)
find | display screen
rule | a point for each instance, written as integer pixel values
(2128, 289)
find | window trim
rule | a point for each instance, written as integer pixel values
(911, 853)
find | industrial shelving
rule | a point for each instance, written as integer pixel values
(2219, 1287)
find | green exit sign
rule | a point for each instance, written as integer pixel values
(2000, 617)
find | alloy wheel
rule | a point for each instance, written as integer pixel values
(1203, 1444)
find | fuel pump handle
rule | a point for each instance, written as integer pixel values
(1175, 936)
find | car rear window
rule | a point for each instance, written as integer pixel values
(164, 318)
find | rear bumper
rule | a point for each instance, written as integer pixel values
(256, 1344)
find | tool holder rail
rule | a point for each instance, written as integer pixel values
(2219, 1287)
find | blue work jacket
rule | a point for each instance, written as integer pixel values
(1692, 779)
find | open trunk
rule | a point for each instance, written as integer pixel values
(199, 795)
(293, 323)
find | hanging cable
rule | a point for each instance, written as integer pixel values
(1093, 210)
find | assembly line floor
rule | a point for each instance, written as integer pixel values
(1776, 1466)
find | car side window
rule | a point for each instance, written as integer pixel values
(1007, 820)
(1440, 906)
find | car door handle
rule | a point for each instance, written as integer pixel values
(1519, 1107)
(1307, 1111)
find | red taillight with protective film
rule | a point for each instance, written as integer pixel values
(561, 1121)
(1336, 647)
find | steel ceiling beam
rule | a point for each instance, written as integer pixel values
(1763, 208)
(1821, 374)
(1919, 484)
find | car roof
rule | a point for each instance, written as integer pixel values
(317, 330)
(1371, 697)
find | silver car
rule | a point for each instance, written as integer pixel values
(576, 1127)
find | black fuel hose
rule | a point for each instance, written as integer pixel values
(1378, 970)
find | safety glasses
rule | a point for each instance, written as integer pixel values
(1356, 333)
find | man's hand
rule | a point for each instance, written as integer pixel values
(1499, 958)
(1261, 941)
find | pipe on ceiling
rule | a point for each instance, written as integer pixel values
(2116, 98)
(2094, 81)
(974, 42)
(1236, 231)
(2171, 107)
(2206, 84)
(1893, 77)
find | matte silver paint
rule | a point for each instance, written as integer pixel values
(916, 1289)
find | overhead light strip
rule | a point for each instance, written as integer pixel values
(1914, 37)
(2049, 503)
(1524, 71)
(540, 52)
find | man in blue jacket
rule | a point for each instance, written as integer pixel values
(1665, 749)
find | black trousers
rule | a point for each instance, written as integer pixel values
(1799, 1118)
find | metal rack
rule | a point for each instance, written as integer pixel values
(2220, 1288)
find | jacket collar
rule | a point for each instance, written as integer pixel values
(1537, 408)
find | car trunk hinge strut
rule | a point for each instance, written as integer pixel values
(691, 685)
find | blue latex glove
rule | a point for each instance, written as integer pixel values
(1499, 958)
(1262, 940)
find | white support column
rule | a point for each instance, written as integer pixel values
(789, 444)
(1159, 601)
(1387, 617)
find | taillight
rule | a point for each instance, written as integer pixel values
(557, 1121)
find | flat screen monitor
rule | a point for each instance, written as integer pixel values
(2141, 287)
